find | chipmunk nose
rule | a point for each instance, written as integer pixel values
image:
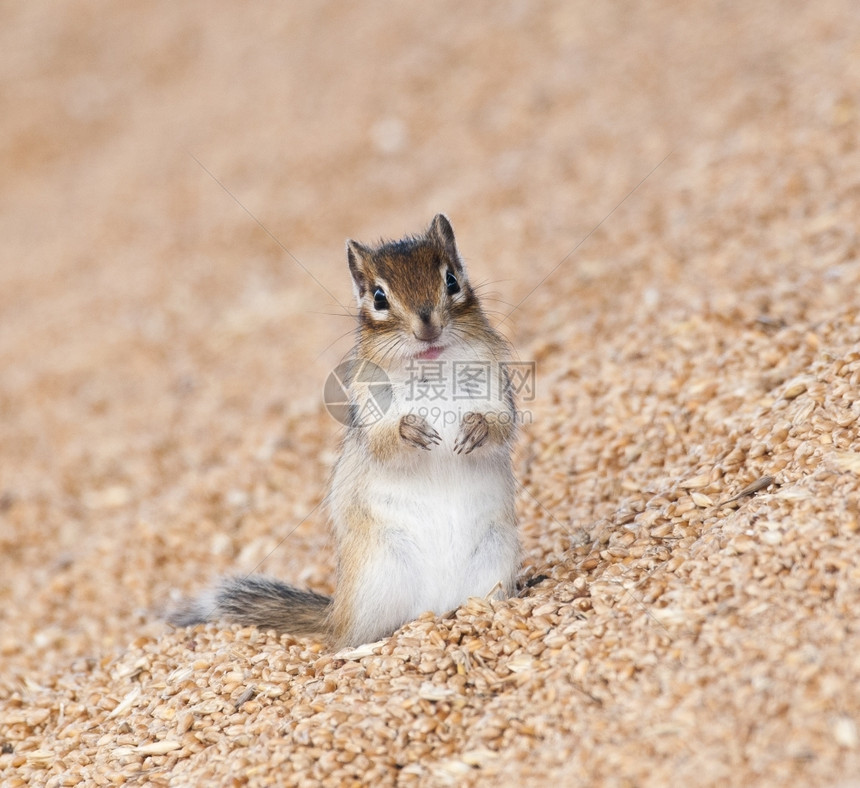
(427, 327)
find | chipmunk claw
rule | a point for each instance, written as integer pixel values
(474, 430)
(415, 431)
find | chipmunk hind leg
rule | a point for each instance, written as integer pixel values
(492, 567)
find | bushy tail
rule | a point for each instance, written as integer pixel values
(258, 601)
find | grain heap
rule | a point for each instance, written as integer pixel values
(690, 478)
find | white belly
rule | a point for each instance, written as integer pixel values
(445, 533)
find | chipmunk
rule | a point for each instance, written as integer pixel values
(421, 497)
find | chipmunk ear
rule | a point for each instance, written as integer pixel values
(442, 234)
(357, 256)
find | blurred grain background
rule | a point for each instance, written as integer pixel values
(177, 181)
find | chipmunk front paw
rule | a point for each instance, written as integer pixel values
(473, 432)
(415, 431)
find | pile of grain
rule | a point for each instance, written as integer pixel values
(690, 466)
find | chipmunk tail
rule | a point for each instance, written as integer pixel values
(258, 601)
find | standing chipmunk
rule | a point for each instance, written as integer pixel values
(422, 495)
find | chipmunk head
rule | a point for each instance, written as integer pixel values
(414, 299)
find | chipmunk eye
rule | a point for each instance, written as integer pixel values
(379, 300)
(452, 284)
